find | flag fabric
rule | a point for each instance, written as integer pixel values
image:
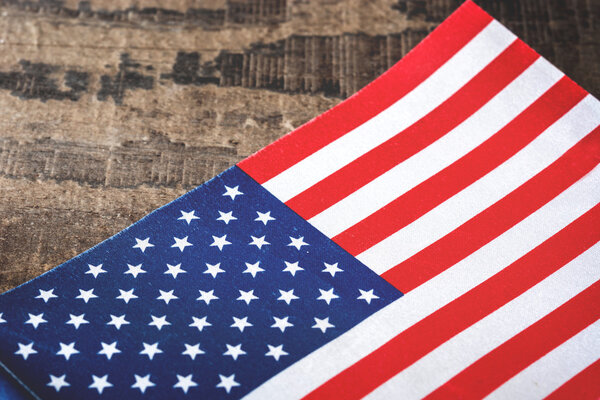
(437, 236)
(208, 296)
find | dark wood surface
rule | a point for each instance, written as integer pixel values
(110, 109)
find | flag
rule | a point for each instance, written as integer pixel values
(434, 236)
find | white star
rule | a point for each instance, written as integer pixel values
(207, 297)
(58, 382)
(188, 216)
(332, 268)
(181, 243)
(117, 321)
(86, 295)
(67, 350)
(226, 217)
(25, 350)
(159, 322)
(185, 382)
(213, 270)
(134, 270)
(143, 244)
(2, 320)
(264, 217)
(240, 323)
(174, 270)
(166, 296)
(322, 324)
(192, 351)
(126, 295)
(36, 320)
(220, 242)
(234, 351)
(281, 323)
(327, 295)
(297, 242)
(142, 382)
(77, 320)
(276, 352)
(367, 295)
(247, 296)
(199, 323)
(258, 241)
(45, 295)
(109, 349)
(287, 296)
(292, 268)
(227, 382)
(232, 192)
(253, 269)
(100, 383)
(95, 270)
(151, 350)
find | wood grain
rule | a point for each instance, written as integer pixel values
(112, 108)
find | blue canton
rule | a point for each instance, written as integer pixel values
(209, 296)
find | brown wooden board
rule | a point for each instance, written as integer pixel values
(110, 109)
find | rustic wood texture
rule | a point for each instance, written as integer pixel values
(113, 108)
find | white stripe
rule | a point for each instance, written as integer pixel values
(457, 210)
(442, 84)
(554, 369)
(475, 130)
(440, 365)
(337, 355)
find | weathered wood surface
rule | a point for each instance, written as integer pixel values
(109, 110)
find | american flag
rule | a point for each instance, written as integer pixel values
(434, 236)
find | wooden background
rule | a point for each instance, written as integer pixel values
(109, 109)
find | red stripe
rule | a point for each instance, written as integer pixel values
(407, 347)
(445, 41)
(583, 386)
(501, 364)
(498, 218)
(485, 85)
(534, 120)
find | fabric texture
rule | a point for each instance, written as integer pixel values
(437, 235)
